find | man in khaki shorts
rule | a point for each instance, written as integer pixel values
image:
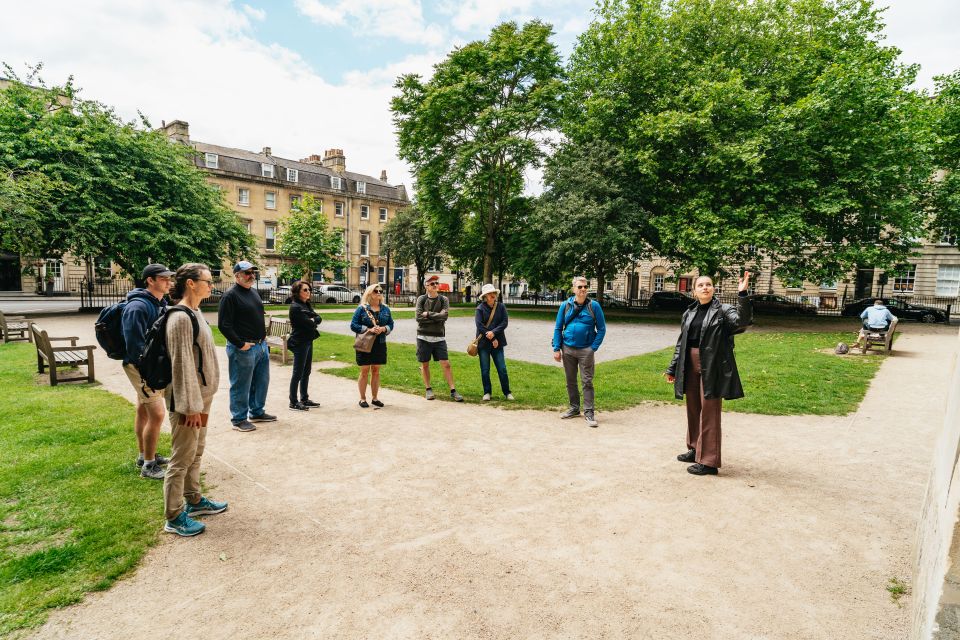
(144, 306)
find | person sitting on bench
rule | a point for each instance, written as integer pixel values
(875, 318)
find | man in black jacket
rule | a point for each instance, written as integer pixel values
(144, 306)
(241, 321)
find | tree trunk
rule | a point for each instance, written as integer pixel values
(600, 285)
(421, 274)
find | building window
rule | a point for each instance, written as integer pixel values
(382, 275)
(365, 244)
(361, 187)
(266, 170)
(364, 212)
(829, 285)
(435, 265)
(343, 242)
(295, 202)
(948, 280)
(270, 231)
(383, 214)
(336, 182)
(903, 282)
(270, 199)
(657, 280)
(211, 160)
(293, 175)
(949, 237)
(243, 198)
(246, 225)
(338, 209)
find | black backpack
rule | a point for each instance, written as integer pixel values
(109, 331)
(155, 368)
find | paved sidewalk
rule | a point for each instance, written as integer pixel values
(440, 520)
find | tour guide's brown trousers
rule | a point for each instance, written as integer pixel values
(703, 415)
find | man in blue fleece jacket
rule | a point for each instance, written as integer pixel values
(144, 306)
(577, 335)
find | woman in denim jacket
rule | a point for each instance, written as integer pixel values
(371, 304)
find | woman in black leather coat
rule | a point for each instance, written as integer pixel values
(303, 324)
(704, 369)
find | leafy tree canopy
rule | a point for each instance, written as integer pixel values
(472, 130)
(75, 178)
(306, 238)
(775, 127)
(945, 191)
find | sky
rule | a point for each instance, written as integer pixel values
(303, 76)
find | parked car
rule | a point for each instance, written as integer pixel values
(903, 310)
(334, 294)
(280, 294)
(672, 300)
(609, 300)
(780, 306)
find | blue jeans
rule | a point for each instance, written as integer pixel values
(249, 379)
(500, 363)
(302, 359)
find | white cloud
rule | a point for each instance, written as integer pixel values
(399, 19)
(196, 60)
(257, 14)
(385, 76)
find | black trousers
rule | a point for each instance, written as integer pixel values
(302, 361)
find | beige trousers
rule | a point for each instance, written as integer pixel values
(183, 472)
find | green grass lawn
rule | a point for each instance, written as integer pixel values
(783, 374)
(75, 514)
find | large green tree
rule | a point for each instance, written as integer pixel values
(473, 129)
(776, 127)
(407, 238)
(586, 221)
(75, 178)
(945, 187)
(306, 238)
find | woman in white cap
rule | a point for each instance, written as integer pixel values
(491, 320)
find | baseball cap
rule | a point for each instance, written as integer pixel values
(243, 265)
(433, 278)
(155, 271)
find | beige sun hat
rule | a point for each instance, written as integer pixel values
(488, 288)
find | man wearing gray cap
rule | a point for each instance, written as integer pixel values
(144, 306)
(241, 321)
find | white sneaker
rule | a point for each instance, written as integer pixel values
(486, 397)
(510, 396)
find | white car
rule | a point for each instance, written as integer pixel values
(280, 294)
(334, 294)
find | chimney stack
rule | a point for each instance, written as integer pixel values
(178, 131)
(267, 151)
(313, 159)
(334, 159)
(383, 175)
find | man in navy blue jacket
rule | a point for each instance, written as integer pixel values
(144, 306)
(577, 335)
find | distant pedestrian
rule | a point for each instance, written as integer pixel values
(144, 306)
(242, 322)
(196, 378)
(432, 311)
(875, 318)
(491, 323)
(577, 335)
(703, 368)
(372, 315)
(303, 323)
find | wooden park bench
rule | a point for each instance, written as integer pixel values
(53, 358)
(879, 338)
(278, 332)
(14, 328)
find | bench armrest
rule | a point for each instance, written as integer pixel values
(87, 347)
(71, 338)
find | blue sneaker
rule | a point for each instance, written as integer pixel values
(205, 507)
(184, 525)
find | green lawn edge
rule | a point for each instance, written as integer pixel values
(75, 515)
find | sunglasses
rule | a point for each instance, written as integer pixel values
(433, 284)
(377, 291)
(582, 286)
(248, 273)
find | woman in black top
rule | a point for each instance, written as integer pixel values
(703, 368)
(303, 323)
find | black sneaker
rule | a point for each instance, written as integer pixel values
(309, 403)
(244, 426)
(299, 406)
(701, 470)
(159, 459)
(263, 417)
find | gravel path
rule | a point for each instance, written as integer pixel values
(440, 520)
